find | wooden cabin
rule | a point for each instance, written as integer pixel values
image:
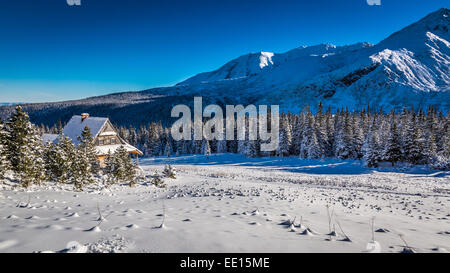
(105, 136)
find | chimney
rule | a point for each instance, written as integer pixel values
(84, 116)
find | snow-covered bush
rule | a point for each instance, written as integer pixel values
(170, 172)
(441, 162)
(157, 180)
(120, 168)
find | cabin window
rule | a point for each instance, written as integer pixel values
(113, 141)
(100, 142)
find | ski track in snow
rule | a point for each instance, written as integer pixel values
(227, 203)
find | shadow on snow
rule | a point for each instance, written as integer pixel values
(289, 164)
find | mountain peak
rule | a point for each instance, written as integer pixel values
(414, 35)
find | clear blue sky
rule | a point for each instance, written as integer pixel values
(51, 51)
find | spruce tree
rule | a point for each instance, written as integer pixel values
(393, 152)
(88, 151)
(168, 149)
(222, 146)
(413, 145)
(59, 159)
(206, 149)
(285, 140)
(86, 163)
(4, 162)
(371, 147)
(24, 148)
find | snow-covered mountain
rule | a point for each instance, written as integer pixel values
(409, 68)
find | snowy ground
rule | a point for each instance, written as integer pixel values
(228, 203)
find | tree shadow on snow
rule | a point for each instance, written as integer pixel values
(288, 164)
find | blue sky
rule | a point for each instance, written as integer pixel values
(51, 51)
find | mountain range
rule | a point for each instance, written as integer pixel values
(410, 68)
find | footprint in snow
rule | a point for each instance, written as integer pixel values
(132, 226)
(93, 229)
(73, 215)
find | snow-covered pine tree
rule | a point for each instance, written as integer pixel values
(169, 172)
(446, 142)
(86, 163)
(321, 132)
(123, 170)
(59, 159)
(296, 134)
(371, 147)
(153, 141)
(81, 173)
(4, 162)
(285, 140)
(87, 149)
(329, 125)
(344, 147)
(413, 144)
(310, 147)
(168, 149)
(24, 148)
(221, 146)
(393, 150)
(109, 169)
(206, 148)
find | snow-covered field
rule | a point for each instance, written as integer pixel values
(228, 203)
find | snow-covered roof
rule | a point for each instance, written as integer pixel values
(108, 134)
(49, 138)
(105, 149)
(76, 125)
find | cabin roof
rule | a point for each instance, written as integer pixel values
(76, 125)
(106, 149)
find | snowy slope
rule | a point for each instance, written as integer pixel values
(230, 203)
(410, 67)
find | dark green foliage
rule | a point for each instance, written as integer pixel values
(120, 168)
(169, 172)
(24, 149)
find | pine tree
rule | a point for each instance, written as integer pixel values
(24, 148)
(221, 146)
(4, 162)
(157, 181)
(120, 168)
(413, 144)
(371, 147)
(86, 163)
(310, 147)
(168, 149)
(393, 152)
(344, 147)
(59, 159)
(88, 151)
(170, 172)
(206, 149)
(285, 140)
